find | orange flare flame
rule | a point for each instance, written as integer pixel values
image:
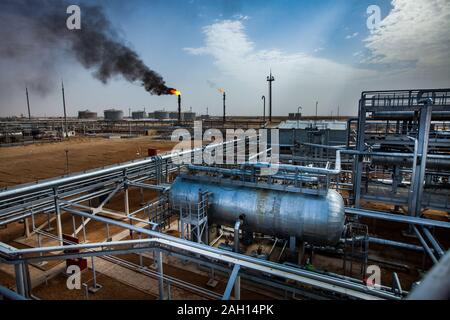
(175, 92)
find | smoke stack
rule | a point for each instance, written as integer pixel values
(179, 108)
(224, 100)
(28, 104)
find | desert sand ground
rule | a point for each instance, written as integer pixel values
(36, 162)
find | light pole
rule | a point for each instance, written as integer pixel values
(264, 108)
(270, 79)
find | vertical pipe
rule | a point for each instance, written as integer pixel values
(315, 122)
(358, 166)
(20, 284)
(224, 113)
(237, 288)
(127, 208)
(237, 227)
(424, 135)
(58, 217)
(270, 79)
(65, 113)
(237, 284)
(264, 108)
(159, 266)
(28, 104)
(413, 187)
(179, 108)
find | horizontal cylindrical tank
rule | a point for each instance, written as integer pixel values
(113, 115)
(313, 218)
(86, 114)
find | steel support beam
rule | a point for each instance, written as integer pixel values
(159, 267)
(233, 282)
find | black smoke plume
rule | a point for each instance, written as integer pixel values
(35, 33)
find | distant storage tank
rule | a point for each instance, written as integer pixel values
(138, 115)
(189, 116)
(161, 115)
(174, 115)
(316, 219)
(88, 115)
(113, 115)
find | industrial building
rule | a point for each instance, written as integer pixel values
(344, 198)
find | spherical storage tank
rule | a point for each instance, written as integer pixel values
(113, 115)
(316, 219)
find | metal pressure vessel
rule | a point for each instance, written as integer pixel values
(317, 219)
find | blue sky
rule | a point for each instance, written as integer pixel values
(318, 50)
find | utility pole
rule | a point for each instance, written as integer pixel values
(264, 108)
(270, 79)
(28, 104)
(65, 113)
(338, 113)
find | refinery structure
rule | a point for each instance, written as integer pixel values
(319, 171)
(315, 208)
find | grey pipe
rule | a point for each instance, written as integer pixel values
(237, 227)
(436, 284)
(408, 115)
(396, 244)
(240, 172)
(397, 218)
(9, 294)
(245, 261)
(433, 242)
(293, 168)
(425, 245)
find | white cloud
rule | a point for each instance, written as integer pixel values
(350, 36)
(414, 33)
(300, 78)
